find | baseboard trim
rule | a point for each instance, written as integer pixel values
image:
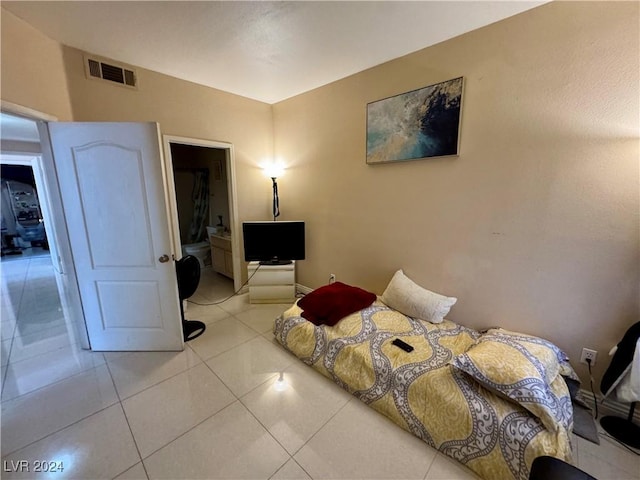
(608, 406)
(303, 289)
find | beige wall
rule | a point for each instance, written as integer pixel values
(40, 74)
(32, 69)
(535, 226)
(185, 109)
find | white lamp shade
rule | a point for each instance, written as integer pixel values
(273, 170)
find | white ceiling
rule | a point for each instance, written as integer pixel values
(265, 50)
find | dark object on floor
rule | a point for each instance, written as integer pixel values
(583, 423)
(622, 365)
(188, 273)
(550, 468)
(8, 245)
(623, 429)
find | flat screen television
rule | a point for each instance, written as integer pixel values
(273, 243)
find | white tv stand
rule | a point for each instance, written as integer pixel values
(272, 283)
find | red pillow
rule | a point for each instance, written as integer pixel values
(329, 304)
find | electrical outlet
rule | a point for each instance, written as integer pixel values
(588, 354)
(332, 278)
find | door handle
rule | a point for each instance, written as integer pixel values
(164, 258)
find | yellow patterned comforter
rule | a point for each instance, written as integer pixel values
(421, 391)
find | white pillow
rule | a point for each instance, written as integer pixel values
(409, 298)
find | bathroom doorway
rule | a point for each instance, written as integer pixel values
(204, 206)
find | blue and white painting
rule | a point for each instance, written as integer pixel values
(418, 124)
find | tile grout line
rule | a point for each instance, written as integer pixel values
(159, 381)
(291, 455)
(19, 320)
(126, 419)
(33, 357)
(52, 383)
(433, 460)
(124, 413)
(187, 431)
(15, 327)
(239, 400)
(352, 398)
(230, 348)
(269, 432)
(4, 455)
(296, 462)
(191, 428)
(606, 459)
(223, 382)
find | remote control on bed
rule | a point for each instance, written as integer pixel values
(403, 345)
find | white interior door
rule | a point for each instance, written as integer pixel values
(114, 197)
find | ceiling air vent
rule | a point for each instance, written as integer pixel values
(110, 71)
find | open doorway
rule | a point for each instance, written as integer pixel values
(23, 230)
(204, 206)
(42, 339)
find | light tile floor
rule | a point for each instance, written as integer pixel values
(212, 411)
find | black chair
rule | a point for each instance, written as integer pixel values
(188, 273)
(550, 468)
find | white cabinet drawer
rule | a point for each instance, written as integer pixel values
(272, 277)
(272, 293)
(272, 283)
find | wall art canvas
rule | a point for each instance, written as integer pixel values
(419, 124)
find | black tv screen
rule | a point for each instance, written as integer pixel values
(273, 243)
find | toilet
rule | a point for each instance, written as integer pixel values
(200, 250)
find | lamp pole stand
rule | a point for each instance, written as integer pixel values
(276, 200)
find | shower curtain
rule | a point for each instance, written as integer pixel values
(200, 198)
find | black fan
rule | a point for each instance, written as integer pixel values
(623, 430)
(188, 273)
